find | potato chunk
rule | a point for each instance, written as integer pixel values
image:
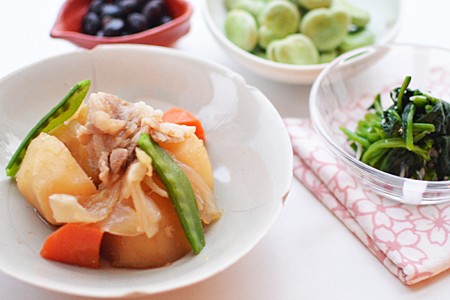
(49, 168)
(192, 152)
(67, 133)
(166, 246)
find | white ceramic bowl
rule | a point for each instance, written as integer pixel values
(385, 23)
(346, 88)
(247, 142)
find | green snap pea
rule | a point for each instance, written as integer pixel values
(66, 108)
(179, 189)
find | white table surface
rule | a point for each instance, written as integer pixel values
(308, 254)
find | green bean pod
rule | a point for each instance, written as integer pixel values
(65, 109)
(179, 189)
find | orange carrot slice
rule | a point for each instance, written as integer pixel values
(74, 244)
(182, 117)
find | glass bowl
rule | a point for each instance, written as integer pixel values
(347, 87)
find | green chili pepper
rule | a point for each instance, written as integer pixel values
(66, 108)
(179, 189)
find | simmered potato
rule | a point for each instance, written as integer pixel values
(67, 133)
(49, 168)
(192, 152)
(167, 246)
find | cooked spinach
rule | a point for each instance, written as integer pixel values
(411, 138)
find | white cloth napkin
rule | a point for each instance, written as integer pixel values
(413, 242)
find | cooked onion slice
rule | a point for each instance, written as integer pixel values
(148, 213)
(84, 209)
(206, 203)
(122, 220)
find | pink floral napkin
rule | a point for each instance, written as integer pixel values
(413, 242)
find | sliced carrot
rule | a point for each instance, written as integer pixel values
(182, 117)
(74, 244)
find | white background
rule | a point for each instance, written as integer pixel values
(308, 254)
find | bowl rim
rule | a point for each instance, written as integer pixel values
(315, 117)
(281, 195)
(255, 60)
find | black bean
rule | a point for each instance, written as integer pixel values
(96, 6)
(136, 22)
(153, 11)
(128, 6)
(112, 10)
(91, 23)
(165, 19)
(114, 27)
(141, 4)
(121, 17)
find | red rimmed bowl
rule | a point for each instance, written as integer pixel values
(68, 26)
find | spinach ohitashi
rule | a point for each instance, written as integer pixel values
(411, 138)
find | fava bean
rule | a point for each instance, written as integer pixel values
(326, 57)
(255, 7)
(277, 20)
(296, 49)
(334, 27)
(312, 4)
(358, 39)
(241, 29)
(326, 27)
(229, 4)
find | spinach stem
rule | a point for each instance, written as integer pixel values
(390, 143)
(409, 128)
(428, 127)
(401, 92)
(365, 143)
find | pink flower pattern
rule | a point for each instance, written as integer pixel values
(413, 242)
(435, 221)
